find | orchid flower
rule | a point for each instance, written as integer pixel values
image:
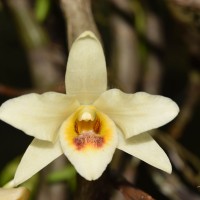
(89, 122)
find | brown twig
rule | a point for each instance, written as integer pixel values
(15, 92)
(188, 3)
(11, 91)
(128, 190)
(79, 18)
(94, 190)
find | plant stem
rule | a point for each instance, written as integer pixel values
(94, 190)
(79, 18)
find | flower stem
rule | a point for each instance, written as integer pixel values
(94, 190)
(79, 18)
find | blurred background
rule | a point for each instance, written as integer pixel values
(151, 46)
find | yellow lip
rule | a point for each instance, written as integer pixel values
(88, 128)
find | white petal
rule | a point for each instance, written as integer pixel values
(145, 148)
(136, 113)
(89, 155)
(38, 155)
(38, 115)
(14, 194)
(86, 75)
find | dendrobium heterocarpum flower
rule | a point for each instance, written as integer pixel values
(89, 122)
